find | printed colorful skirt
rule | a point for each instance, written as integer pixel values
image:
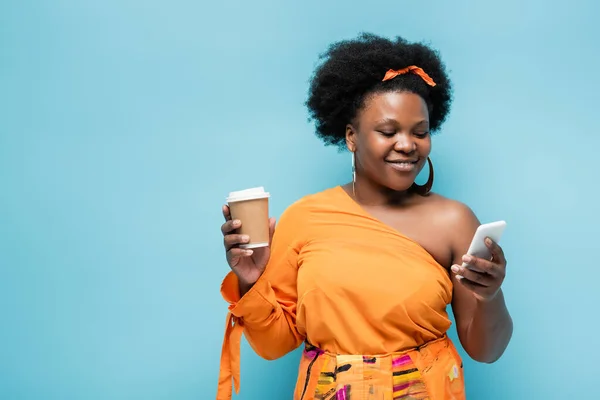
(433, 371)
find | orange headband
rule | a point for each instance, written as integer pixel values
(391, 74)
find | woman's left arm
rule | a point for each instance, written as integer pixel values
(483, 322)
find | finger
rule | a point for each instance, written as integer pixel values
(234, 240)
(271, 229)
(236, 253)
(230, 226)
(482, 279)
(480, 265)
(496, 250)
(226, 212)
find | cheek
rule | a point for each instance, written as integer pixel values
(381, 146)
(373, 150)
(369, 160)
(424, 147)
(424, 153)
(425, 143)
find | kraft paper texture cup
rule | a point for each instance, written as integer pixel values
(251, 206)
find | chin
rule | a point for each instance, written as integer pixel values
(399, 186)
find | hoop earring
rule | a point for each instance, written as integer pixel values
(424, 190)
(353, 174)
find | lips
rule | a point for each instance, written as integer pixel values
(403, 165)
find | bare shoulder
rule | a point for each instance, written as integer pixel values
(457, 220)
(449, 210)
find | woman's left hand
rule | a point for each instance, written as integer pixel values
(483, 277)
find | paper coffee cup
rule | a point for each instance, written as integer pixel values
(251, 206)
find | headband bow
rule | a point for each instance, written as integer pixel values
(391, 74)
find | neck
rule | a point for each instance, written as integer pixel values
(369, 193)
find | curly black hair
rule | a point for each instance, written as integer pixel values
(354, 69)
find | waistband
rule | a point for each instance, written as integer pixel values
(432, 346)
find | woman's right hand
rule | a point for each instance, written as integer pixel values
(247, 264)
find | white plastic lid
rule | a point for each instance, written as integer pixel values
(248, 194)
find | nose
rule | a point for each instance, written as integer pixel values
(405, 143)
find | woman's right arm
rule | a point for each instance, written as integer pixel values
(261, 287)
(261, 292)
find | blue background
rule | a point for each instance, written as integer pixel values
(124, 124)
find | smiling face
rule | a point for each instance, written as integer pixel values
(390, 138)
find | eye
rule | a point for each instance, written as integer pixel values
(421, 134)
(387, 133)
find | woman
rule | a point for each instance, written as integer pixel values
(363, 273)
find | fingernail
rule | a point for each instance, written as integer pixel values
(454, 269)
(236, 222)
(467, 259)
(488, 241)
(245, 238)
(459, 277)
(248, 252)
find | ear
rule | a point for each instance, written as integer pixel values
(351, 138)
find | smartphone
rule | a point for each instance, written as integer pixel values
(494, 231)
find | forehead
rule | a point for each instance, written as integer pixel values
(404, 107)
